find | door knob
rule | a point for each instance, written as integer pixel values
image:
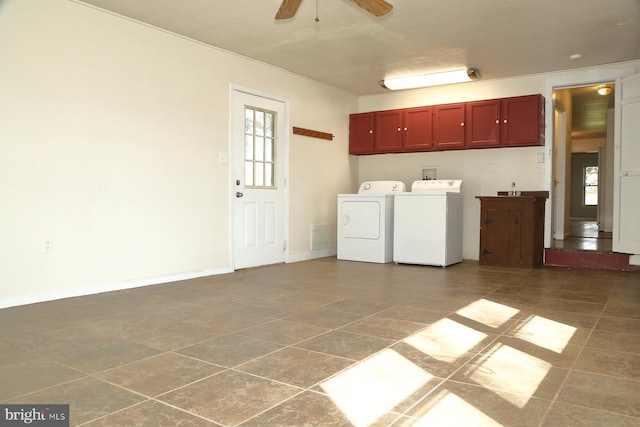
(239, 194)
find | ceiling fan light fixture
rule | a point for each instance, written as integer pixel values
(604, 90)
(433, 79)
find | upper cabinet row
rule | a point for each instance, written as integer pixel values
(506, 122)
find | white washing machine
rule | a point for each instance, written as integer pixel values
(428, 223)
(365, 222)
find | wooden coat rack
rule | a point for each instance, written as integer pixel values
(312, 133)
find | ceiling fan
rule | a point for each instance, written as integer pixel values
(288, 8)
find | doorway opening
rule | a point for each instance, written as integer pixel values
(583, 167)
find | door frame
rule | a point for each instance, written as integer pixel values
(234, 89)
(575, 79)
(559, 175)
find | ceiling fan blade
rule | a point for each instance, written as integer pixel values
(375, 7)
(288, 9)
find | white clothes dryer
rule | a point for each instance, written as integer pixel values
(365, 222)
(428, 223)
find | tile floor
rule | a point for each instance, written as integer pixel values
(328, 342)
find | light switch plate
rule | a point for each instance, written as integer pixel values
(540, 157)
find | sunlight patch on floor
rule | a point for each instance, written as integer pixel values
(448, 409)
(506, 368)
(446, 340)
(487, 312)
(370, 389)
(545, 333)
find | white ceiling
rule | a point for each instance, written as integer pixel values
(351, 49)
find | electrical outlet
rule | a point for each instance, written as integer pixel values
(540, 157)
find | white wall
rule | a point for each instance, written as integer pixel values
(110, 133)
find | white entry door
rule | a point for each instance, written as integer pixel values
(259, 152)
(626, 225)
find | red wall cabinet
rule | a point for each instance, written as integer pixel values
(448, 126)
(391, 131)
(507, 122)
(388, 133)
(483, 124)
(522, 121)
(418, 129)
(361, 133)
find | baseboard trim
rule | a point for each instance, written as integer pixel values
(306, 256)
(109, 287)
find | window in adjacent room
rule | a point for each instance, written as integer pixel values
(590, 184)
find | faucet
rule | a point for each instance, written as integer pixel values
(513, 188)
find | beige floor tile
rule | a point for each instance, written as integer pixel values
(27, 376)
(314, 409)
(107, 354)
(620, 341)
(609, 362)
(617, 395)
(324, 317)
(284, 331)
(619, 324)
(88, 399)
(301, 368)
(382, 327)
(512, 370)
(230, 398)
(344, 344)
(159, 374)
(230, 350)
(456, 404)
(563, 415)
(363, 306)
(152, 414)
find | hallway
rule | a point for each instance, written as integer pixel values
(584, 236)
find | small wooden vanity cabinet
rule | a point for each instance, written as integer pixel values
(512, 230)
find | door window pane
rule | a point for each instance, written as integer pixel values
(259, 148)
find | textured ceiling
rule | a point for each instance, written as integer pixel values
(351, 49)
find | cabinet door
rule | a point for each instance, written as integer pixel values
(449, 126)
(418, 132)
(483, 124)
(522, 119)
(388, 131)
(502, 231)
(361, 133)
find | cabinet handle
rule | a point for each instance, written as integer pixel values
(398, 129)
(497, 121)
(370, 131)
(405, 129)
(516, 220)
(461, 124)
(505, 121)
(486, 252)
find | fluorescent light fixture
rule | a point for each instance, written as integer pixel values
(434, 79)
